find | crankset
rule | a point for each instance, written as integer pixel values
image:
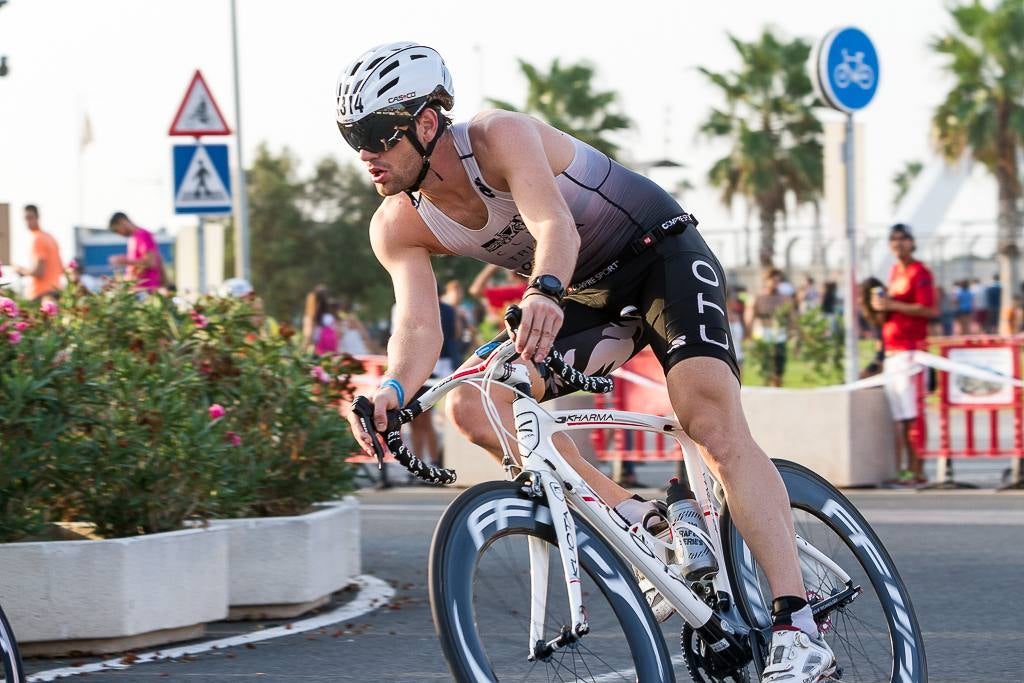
(703, 665)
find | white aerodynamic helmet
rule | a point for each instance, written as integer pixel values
(393, 78)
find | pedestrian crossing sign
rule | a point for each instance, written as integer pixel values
(202, 179)
(198, 113)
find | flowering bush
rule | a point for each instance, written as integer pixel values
(135, 415)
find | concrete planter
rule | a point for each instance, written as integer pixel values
(284, 566)
(95, 597)
(845, 436)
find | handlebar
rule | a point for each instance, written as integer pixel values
(392, 433)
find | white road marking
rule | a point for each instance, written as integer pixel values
(620, 675)
(373, 593)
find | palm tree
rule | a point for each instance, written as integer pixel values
(904, 179)
(566, 99)
(983, 114)
(774, 134)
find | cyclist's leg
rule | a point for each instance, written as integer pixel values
(684, 310)
(590, 342)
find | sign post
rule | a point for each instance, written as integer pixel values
(847, 72)
(202, 176)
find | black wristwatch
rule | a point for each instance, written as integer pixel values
(548, 285)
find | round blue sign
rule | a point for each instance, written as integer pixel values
(847, 69)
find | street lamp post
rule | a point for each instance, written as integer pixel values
(242, 205)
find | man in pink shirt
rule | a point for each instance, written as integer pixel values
(142, 262)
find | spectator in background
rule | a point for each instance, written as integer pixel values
(318, 323)
(872, 322)
(43, 276)
(353, 337)
(964, 307)
(498, 298)
(993, 304)
(808, 295)
(736, 304)
(465, 312)
(980, 316)
(947, 311)
(142, 261)
(769, 321)
(830, 302)
(907, 307)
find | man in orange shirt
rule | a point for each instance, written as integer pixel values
(44, 274)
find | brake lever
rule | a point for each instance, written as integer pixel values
(363, 409)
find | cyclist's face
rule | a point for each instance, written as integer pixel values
(394, 170)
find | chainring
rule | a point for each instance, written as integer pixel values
(699, 663)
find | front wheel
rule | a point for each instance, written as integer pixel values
(11, 667)
(869, 623)
(480, 595)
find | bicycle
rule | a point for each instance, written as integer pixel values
(477, 551)
(10, 658)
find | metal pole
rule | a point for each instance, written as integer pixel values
(852, 359)
(242, 191)
(201, 253)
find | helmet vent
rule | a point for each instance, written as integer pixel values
(375, 62)
(389, 68)
(418, 57)
(354, 69)
(390, 84)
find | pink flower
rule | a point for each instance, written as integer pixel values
(48, 308)
(8, 306)
(14, 337)
(233, 439)
(72, 264)
(320, 375)
(216, 411)
(20, 325)
(199, 319)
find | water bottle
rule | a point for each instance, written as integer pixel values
(693, 553)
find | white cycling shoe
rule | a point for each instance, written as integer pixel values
(795, 657)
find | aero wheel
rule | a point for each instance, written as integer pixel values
(867, 619)
(480, 594)
(11, 660)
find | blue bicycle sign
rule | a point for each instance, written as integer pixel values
(847, 69)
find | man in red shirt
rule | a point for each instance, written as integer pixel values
(909, 306)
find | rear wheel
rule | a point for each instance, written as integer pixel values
(872, 628)
(480, 595)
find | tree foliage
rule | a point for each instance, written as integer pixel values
(903, 179)
(314, 229)
(983, 113)
(769, 122)
(565, 97)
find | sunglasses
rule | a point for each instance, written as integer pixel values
(377, 132)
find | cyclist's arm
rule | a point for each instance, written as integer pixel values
(514, 149)
(512, 143)
(415, 343)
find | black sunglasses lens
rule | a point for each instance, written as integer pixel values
(374, 133)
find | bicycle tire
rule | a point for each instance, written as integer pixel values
(819, 508)
(12, 668)
(495, 510)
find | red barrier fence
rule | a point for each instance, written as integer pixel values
(963, 400)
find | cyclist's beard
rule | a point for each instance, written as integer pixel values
(401, 173)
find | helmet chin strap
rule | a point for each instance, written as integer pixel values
(425, 155)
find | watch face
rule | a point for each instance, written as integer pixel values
(550, 283)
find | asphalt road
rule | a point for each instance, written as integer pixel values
(961, 555)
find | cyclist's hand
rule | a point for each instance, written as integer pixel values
(383, 400)
(542, 318)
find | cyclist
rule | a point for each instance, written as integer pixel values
(594, 238)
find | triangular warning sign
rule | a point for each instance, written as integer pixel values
(199, 113)
(202, 186)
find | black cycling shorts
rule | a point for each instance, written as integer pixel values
(678, 289)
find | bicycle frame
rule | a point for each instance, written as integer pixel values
(546, 474)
